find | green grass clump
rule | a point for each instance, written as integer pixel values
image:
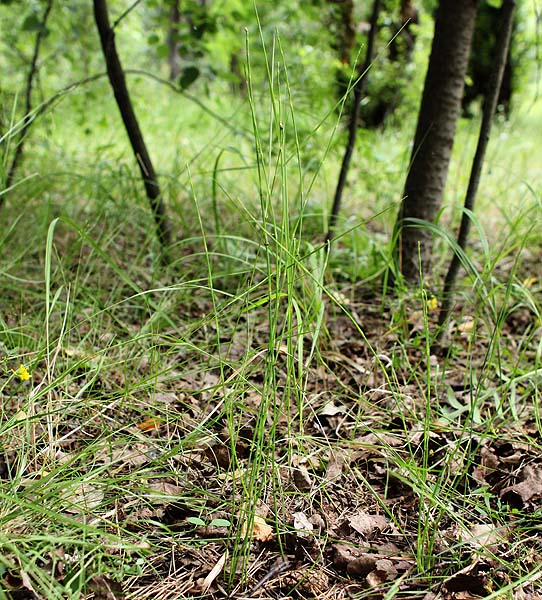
(261, 374)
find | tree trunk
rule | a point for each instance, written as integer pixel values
(437, 120)
(341, 23)
(359, 91)
(481, 63)
(490, 105)
(347, 31)
(173, 41)
(27, 119)
(402, 45)
(238, 84)
(118, 84)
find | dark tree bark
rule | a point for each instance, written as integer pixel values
(359, 91)
(482, 60)
(402, 45)
(173, 41)
(346, 34)
(343, 29)
(490, 105)
(437, 120)
(118, 84)
(387, 95)
(27, 119)
(238, 85)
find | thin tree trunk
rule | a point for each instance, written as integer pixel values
(173, 41)
(27, 119)
(118, 84)
(490, 105)
(435, 132)
(359, 90)
(347, 30)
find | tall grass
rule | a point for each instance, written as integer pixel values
(162, 401)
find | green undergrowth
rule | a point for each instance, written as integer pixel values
(151, 413)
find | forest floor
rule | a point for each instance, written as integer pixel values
(259, 418)
(188, 441)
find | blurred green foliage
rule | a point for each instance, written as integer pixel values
(209, 41)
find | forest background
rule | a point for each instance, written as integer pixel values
(262, 409)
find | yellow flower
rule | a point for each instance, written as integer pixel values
(529, 282)
(22, 373)
(432, 304)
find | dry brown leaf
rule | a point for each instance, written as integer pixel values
(165, 397)
(214, 573)
(302, 479)
(483, 535)
(371, 444)
(355, 562)
(133, 456)
(470, 585)
(466, 327)
(83, 498)
(318, 522)
(384, 571)
(104, 588)
(331, 410)
(334, 466)
(366, 524)
(260, 531)
(236, 475)
(489, 463)
(361, 566)
(530, 486)
(302, 524)
(149, 424)
(25, 579)
(162, 492)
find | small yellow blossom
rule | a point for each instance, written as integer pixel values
(432, 304)
(529, 282)
(22, 373)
